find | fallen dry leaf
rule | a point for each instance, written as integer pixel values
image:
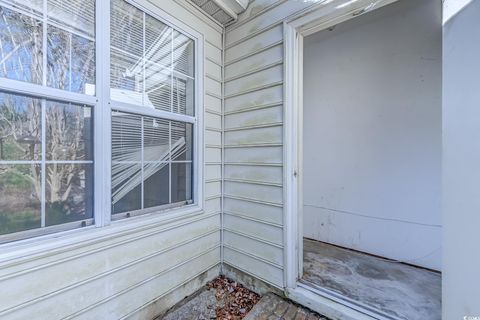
(237, 300)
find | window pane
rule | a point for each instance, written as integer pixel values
(181, 182)
(68, 183)
(183, 50)
(21, 190)
(71, 62)
(126, 187)
(126, 82)
(156, 140)
(158, 88)
(32, 6)
(69, 132)
(182, 141)
(156, 177)
(126, 62)
(152, 65)
(20, 127)
(183, 96)
(21, 55)
(126, 137)
(69, 193)
(158, 42)
(78, 15)
(126, 23)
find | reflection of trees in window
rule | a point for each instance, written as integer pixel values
(67, 156)
(62, 154)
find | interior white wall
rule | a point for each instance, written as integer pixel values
(372, 133)
(461, 159)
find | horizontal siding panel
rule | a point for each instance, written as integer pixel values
(253, 229)
(213, 69)
(213, 172)
(213, 155)
(254, 44)
(213, 103)
(265, 155)
(213, 189)
(108, 242)
(254, 117)
(213, 121)
(265, 20)
(213, 138)
(265, 193)
(254, 173)
(255, 80)
(255, 210)
(259, 60)
(212, 205)
(270, 135)
(272, 95)
(213, 53)
(104, 274)
(164, 283)
(261, 249)
(213, 86)
(258, 268)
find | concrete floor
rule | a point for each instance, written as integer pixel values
(272, 307)
(395, 289)
(201, 306)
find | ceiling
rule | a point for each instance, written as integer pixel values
(224, 11)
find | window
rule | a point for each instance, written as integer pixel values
(152, 90)
(53, 87)
(46, 145)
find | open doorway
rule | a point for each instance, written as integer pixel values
(370, 159)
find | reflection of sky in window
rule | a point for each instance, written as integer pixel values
(17, 43)
(70, 45)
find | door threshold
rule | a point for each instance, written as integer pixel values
(333, 305)
(372, 311)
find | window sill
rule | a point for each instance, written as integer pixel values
(21, 251)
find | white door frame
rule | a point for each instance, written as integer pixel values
(319, 17)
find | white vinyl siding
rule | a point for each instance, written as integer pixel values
(253, 208)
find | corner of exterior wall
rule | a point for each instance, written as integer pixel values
(252, 283)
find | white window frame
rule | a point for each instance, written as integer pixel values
(196, 120)
(102, 112)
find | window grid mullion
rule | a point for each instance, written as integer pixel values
(43, 163)
(142, 121)
(170, 122)
(70, 38)
(171, 71)
(170, 162)
(144, 86)
(150, 112)
(44, 44)
(43, 166)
